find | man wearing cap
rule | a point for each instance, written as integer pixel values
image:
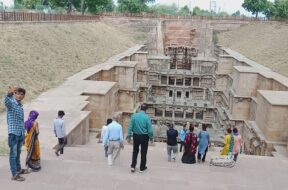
(140, 128)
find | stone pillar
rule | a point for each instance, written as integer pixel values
(204, 94)
(163, 113)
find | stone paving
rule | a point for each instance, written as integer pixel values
(84, 167)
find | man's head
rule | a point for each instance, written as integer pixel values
(191, 128)
(61, 113)
(171, 126)
(143, 107)
(235, 130)
(20, 94)
(229, 130)
(204, 127)
(108, 121)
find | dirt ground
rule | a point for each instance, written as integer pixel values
(41, 56)
(265, 43)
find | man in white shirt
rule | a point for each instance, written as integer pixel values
(60, 131)
(103, 131)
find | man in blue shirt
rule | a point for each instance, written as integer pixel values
(16, 130)
(113, 138)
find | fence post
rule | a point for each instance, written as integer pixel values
(14, 15)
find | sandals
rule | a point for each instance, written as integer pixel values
(17, 177)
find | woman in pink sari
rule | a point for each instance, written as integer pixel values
(237, 144)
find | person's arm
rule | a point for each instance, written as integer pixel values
(121, 135)
(150, 129)
(8, 101)
(131, 127)
(64, 128)
(54, 128)
(102, 132)
(177, 133)
(106, 137)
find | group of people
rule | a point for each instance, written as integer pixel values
(232, 144)
(20, 132)
(190, 141)
(140, 128)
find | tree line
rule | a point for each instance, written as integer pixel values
(276, 9)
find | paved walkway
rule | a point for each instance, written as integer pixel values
(84, 167)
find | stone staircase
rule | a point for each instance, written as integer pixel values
(85, 167)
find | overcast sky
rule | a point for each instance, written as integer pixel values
(229, 6)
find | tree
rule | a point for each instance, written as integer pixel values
(164, 9)
(184, 11)
(254, 6)
(93, 6)
(237, 13)
(281, 9)
(133, 6)
(269, 10)
(199, 12)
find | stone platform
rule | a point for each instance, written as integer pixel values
(84, 167)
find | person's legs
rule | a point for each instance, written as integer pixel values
(235, 157)
(110, 153)
(116, 150)
(19, 147)
(136, 143)
(105, 150)
(169, 149)
(204, 156)
(144, 148)
(175, 151)
(198, 156)
(12, 142)
(181, 145)
(61, 146)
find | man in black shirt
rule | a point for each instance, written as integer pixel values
(172, 145)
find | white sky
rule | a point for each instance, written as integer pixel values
(229, 6)
(7, 3)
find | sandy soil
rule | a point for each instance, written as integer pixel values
(265, 43)
(41, 56)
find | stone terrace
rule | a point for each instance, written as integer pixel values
(84, 167)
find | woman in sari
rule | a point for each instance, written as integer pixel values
(228, 144)
(32, 143)
(190, 147)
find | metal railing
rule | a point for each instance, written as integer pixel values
(48, 17)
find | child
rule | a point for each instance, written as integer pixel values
(60, 132)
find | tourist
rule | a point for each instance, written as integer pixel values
(182, 136)
(32, 142)
(60, 132)
(103, 131)
(141, 128)
(16, 130)
(172, 146)
(113, 139)
(204, 142)
(237, 144)
(228, 144)
(190, 147)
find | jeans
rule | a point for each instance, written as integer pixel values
(61, 145)
(138, 140)
(15, 144)
(171, 149)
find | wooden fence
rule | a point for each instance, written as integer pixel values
(34, 17)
